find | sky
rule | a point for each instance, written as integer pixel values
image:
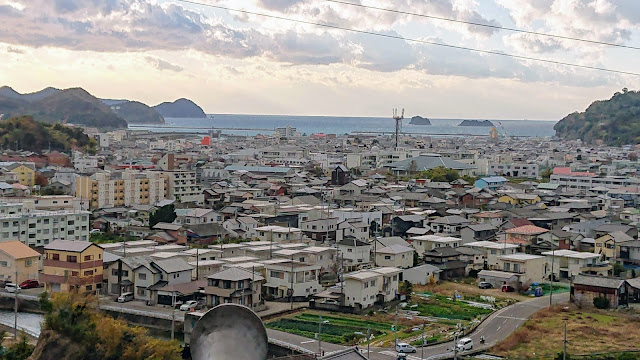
(231, 62)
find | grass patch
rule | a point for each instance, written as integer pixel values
(443, 307)
(588, 331)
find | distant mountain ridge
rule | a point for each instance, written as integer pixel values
(181, 108)
(77, 106)
(615, 121)
(73, 106)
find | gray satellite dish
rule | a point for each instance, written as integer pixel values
(229, 331)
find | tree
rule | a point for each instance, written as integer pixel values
(618, 269)
(546, 174)
(165, 214)
(601, 302)
(19, 350)
(405, 288)
(440, 174)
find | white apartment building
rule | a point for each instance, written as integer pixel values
(183, 186)
(588, 182)
(364, 288)
(522, 170)
(568, 263)
(39, 227)
(491, 251)
(86, 163)
(376, 159)
(279, 279)
(283, 152)
(425, 243)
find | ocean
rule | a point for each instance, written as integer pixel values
(252, 125)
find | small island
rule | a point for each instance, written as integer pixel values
(476, 123)
(419, 120)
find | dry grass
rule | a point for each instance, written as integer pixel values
(448, 287)
(588, 331)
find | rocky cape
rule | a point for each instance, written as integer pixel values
(615, 121)
(419, 120)
(181, 108)
(476, 123)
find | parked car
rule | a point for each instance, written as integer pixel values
(125, 297)
(464, 344)
(508, 288)
(29, 284)
(484, 285)
(11, 287)
(405, 348)
(189, 304)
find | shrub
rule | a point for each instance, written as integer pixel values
(601, 302)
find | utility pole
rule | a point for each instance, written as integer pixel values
(319, 334)
(368, 341)
(291, 289)
(564, 350)
(15, 309)
(198, 265)
(398, 119)
(395, 328)
(553, 260)
(173, 314)
(422, 347)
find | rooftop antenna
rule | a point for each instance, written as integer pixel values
(398, 119)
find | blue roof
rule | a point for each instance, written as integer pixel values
(494, 179)
(259, 169)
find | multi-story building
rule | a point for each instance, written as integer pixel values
(127, 188)
(522, 170)
(234, 285)
(26, 172)
(71, 265)
(282, 275)
(568, 263)
(586, 180)
(364, 288)
(40, 227)
(377, 159)
(183, 187)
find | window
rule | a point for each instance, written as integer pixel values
(72, 258)
(387, 257)
(88, 273)
(88, 257)
(89, 287)
(141, 291)
(366, 285)
(114, 272)
(516, 267)
(349, 250)
(74, 273)
(28, 262)
(142, 276)
(55, 256)
(507, 267)
(4, 264)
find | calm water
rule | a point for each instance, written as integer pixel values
(256, 124)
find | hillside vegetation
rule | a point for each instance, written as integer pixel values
(135, 112)
(24, 132)
(73, 106)
(615, 121)
(181, 108)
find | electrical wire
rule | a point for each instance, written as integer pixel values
(498, 27)
(420, 41)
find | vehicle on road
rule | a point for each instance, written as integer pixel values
(125, 297)
(405, 348)
(189, 304)
(401, 356)
(29, 284)
(11, 287)
(508, 288)
(484, 285)
(464, 344)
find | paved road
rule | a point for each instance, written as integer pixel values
(495, 329)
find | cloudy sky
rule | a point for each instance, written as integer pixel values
(230, 62)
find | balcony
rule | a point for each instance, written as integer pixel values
(72, 265)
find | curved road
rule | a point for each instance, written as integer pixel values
(497, 327)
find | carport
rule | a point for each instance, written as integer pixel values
(498, 278)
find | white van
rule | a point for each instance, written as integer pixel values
(125, 297)
(405, 348)
(464, 344)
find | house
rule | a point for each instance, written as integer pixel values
(608, 245)
(585, 288)
(526, 236)
(422, 275)
(488, 217)
(205, 233)
(530, 268)
(131, 274)
(629, 253)
(279, 234)
(426, 243)
(321, 255)
(169, 233)
(399, 256)
(490, 252)
(569, 263)
(401, 224)
(26, 172)
(235, 286)
(355, 253)
(498, 278)
(287, 274)
(320, 229)
(478, 232)
(17, 259)
(172, 271)
(353, 227)
(490, 182)
(364, 288)
(518, 199)
(340, 176)
(69, 264)
(604, 229)
(447, 259)
(196, 216)
(451, 224)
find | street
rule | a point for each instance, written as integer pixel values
(496, 328)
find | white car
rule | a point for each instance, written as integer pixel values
(464, 344)
(405, 348)
(10, 287)
(188, 305)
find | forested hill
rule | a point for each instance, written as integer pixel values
(614, 122)
(24, 133)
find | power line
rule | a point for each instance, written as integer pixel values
(498, 27)
(397, 37)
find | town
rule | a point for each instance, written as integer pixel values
(300, 228)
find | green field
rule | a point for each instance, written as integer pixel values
(443, 307)
(335, 329)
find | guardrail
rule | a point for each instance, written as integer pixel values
(292, 347)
